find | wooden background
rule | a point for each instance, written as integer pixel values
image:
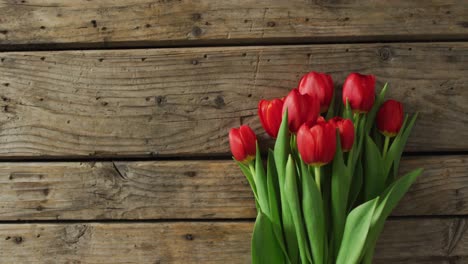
(114, 117)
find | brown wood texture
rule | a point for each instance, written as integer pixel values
(107, 23)
(182, 102)
(186, 190)
(403, 241)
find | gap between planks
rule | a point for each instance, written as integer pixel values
(215, 44)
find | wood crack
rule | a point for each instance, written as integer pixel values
(456, 234)
(119, 173)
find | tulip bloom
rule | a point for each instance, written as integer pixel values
(390, 118)
(317, 145)
(242, 141)
(359, 90)
(346, 128)
(302, 109)
(319, 85)
(270, 113)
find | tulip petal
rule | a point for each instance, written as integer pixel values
(249, 140)
(236, 144)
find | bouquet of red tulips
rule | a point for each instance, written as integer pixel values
(330, 182)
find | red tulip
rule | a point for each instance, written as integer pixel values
(359, 90)
(243, 143)
(319, 85)
(346, 128)
(317, 145)
(302, 109)
(390, 118)
(270, 113)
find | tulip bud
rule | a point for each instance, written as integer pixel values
(390, 118)
(302, 109)
(317, 145)
(319, 85)
(270, 113)
(359, 90)
(346, 128)
(243, 143)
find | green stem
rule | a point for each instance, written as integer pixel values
(252, 169)
(318, 176)
(385, 148)
(356, 117)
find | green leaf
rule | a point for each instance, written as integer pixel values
(356, 230)
(292, 199)
(261, 184)
(290, 234)
(331, 110)
(314, 216)
(282, 147)
(355, 152)
(396, 149)
(265, 247)
(281, 153)
(248, 174)
(274, 198)
(356, 185)
(340, 184)
(373, 112)
(374, 181)
(389, 200)
(377, 137)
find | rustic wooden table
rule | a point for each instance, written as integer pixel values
(114, 120)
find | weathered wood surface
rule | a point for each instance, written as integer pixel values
(410, 240)
(83, 23)
(186, 190)
(183, 101)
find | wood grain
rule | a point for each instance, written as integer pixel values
(411, 240)
(442, 189)
(182, 102)
(111, 23)
(185, 190)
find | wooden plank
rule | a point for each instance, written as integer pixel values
(185, 190)
(442, 189)
(173, 102)
(414, 240)
(82, 23)
(423, 241)
(124, 190)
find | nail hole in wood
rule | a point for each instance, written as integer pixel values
(18, 240)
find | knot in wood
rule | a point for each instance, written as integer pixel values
(18, 240)
(219, 102)
(385, 53)
(196, 16)
(161, 100)
(196, 31)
